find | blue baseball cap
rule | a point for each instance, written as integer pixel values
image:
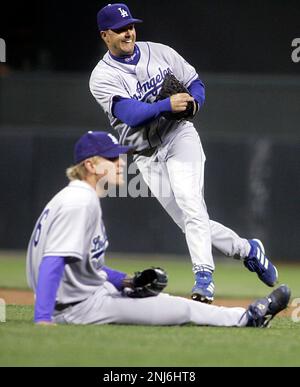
(98, 144)
(115, 16)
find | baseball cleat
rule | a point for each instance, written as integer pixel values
(259, 263)
(204, 288)
(262, 311)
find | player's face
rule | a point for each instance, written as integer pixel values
(111, 171)
(120, 42)
(119, 164)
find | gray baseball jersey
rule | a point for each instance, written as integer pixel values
(71, 226)
(143, 81)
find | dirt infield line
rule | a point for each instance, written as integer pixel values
(26, 297)
(18, 297)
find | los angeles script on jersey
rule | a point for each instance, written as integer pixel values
(152, 85)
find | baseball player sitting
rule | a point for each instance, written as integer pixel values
(67, 272)
(151, 95)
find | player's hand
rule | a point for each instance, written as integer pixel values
(127, 282)
(179, 102)
(146, 283)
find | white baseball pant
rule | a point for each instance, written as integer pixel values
(175, 176)
(109, 306)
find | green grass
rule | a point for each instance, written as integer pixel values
(231, 278)
(23, 344)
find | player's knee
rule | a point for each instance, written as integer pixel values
(182, 312)
(192, 206)
(196, 218)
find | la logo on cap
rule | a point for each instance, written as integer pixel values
(123, 12)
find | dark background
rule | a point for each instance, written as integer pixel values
(249, 125)
(231, 36)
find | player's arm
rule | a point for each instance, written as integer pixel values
(115, 277)
(50, 274)
(186, 74)
(197, 90)
(145, 283)
(136, 113)
(64, 244)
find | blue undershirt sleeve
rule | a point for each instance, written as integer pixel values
(197, 90)
(115, 277)
(136, 113)
(50, 274)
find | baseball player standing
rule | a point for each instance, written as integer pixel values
(169, 153)
(65, 259)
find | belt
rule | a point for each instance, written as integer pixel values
(60, 307)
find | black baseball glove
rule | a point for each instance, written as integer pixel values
(171, 86)
(146, 283)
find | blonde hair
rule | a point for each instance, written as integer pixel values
(79, 171)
